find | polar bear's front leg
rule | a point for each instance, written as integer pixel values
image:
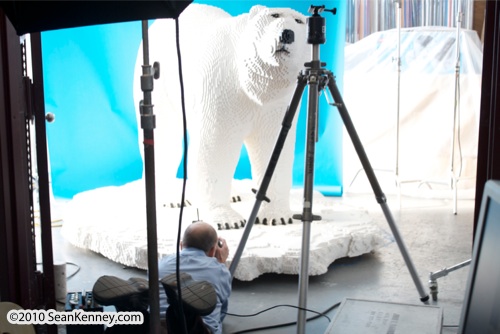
(260, 145)
(214, 151)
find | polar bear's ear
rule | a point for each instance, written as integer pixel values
(257, 9)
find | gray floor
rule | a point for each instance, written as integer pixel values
(434, 236)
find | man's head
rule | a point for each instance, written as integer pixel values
(200, 235)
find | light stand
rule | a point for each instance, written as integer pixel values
(456, 117)
(398, 106)
(148, 125)
(316, 77)
(433, 276)
(456, 112)
(398, 101)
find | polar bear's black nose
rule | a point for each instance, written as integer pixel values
(287, 36)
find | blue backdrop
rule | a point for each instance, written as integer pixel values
(88, 76)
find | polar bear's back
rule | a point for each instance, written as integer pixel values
(200, 26)
(202, 14)
(194, 24)
(201, 29)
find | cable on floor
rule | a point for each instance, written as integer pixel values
(70, 263)
(75, 272)
(318, 315)
(63, 301)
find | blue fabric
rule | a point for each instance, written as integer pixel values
(201, 268)
(88, 76)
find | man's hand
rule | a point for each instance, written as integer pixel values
(221, 250)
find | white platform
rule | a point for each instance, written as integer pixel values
(112, 221)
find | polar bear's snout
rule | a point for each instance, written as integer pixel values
(287, 36)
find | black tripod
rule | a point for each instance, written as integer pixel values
(317, 77)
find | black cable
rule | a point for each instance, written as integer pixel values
(322, 314)
(184, 179)
(276, 306)
(71, 263)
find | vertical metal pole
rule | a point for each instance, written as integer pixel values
(456, 109)
(148, 125)
(307, 217)
(398, 59)
(43, 175)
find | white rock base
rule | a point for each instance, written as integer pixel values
(112, 221)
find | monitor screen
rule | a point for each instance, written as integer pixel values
(481, 309)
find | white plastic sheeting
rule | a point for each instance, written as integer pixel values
(426, 106)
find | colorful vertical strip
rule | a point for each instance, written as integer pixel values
(365, 17)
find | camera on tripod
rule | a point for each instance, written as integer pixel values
(316, 24)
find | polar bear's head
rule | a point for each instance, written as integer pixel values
(271, 50)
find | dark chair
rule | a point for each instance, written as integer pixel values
(198, 299)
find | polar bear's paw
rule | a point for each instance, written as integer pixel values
(273, 217)
(224, 217)
(235, 199)
(175, 205)
(274, 221)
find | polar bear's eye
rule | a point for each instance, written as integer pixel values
(275, 15)
(299, 21)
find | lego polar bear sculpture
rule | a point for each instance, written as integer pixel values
(239, 75)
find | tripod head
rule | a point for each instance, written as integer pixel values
(316, 24)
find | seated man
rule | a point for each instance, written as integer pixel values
(203, 256)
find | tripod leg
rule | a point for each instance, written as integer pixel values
(261, 193)
(381, 199)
